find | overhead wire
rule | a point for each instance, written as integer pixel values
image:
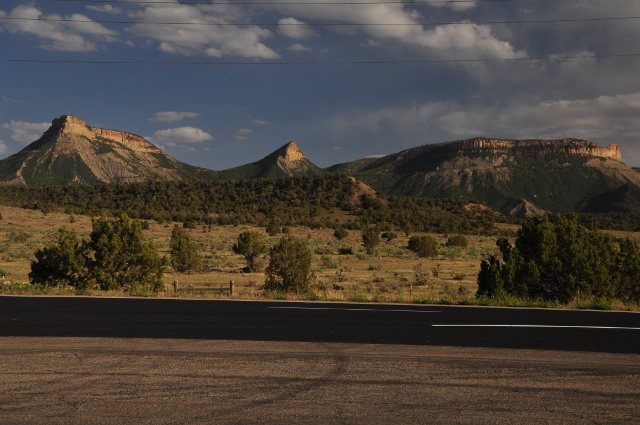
(350, 62)
(525, 21)
(244, 2)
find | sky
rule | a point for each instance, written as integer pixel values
(224, 83)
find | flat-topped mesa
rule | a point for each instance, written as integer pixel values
(68, 124)
(291, 152)
(540, 147)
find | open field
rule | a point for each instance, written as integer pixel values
(392, 274)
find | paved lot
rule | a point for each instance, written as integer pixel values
(68, 380)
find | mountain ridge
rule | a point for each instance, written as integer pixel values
(521, 177)
(517, 177)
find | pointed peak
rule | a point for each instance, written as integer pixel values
(291, 152)
(67, 124)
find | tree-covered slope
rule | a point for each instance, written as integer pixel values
(548, 175)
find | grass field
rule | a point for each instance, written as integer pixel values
(392, 274)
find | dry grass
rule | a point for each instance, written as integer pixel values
(392, 274)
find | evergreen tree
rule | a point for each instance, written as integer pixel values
(115, 256)
(370, 239)
(560, 260)
(251, 246)
(289, 266)
(184, 252)
(121, 256)
(424, 246)
(63, 263)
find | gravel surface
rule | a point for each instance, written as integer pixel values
(166, 381)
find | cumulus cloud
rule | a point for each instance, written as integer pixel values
(207, 39)
(64, 36)
(107, 8)
(173, 136)
(293, 28)
(260, 122)
(459, 6)
(3, 148)
(604, 119)
(26, 132)
(243, 134)
(472, 40)
(298, 48)
(169, 116)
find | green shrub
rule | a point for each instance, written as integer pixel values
(347, 250)
(560, 260)
(341, 233)
(19, 235)
(251, 246)
(457, 240)
(289, 268)
(389, 236)
(63, 263)
(370, 239)
(115, 256)
(122, 258)
(273, 229)
(184, 252)
(424, 246)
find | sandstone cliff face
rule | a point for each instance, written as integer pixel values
(70, 125)
(492, 148)
(291, 160)
(71, 152)
(287, 161)
(521, 177)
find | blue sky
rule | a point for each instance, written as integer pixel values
(220, 85)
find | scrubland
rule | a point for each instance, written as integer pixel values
(392, 274)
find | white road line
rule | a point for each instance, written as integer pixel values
(354, 309)
(538, 326)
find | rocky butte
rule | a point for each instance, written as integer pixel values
(71, 152)
(520, 177)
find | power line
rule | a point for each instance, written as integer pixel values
(370, 62)
(319, 24)
(280, 3)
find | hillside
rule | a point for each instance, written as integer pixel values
(71, 152)
(287, 161)
(520, 177)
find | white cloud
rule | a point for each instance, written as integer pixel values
(371, 43)
(261, 122)
(169, 116)
(298, 48)
(26, 132)
(471, 40)
(107, 8)
(3, 148)
(173, 136)
(64, 36)
(293, 28)
(459, 6)
(207, 39)
(243, 134)
(603, 119)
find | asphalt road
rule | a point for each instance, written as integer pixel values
(168, 361)
(456, 326)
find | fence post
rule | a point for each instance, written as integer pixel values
(231, 288)
(175, 286)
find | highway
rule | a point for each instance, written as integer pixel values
(80, 360)
(459, 326)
